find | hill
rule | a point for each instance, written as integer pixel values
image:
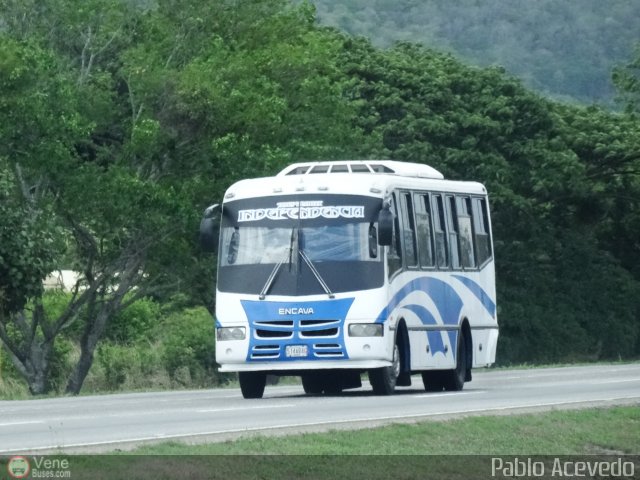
(564, 49)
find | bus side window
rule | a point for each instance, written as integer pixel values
(394, 256)
(409, 231)
(454, 229)
(440, 233)
(481, 229)
(423, 227)
(467, 256)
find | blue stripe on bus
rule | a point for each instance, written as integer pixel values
(479, 292)
(447, 302)
(422, 313)
(436, 344)
(453, 341)
(445, 298)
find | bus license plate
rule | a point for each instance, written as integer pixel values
(296, 351)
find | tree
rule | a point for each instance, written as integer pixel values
(563, 225)
(40, 127)
(626, 78)
(167, 105)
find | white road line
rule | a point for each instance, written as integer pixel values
(234, 409)
(26, 422)
(72, 417)
(436, 395)
(604, 382)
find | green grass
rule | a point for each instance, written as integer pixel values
(452, 449)
(573, 432)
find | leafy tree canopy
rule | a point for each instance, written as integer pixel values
(123, 120)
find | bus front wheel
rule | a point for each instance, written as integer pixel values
(383, 380)
(312, 383)
(252, 384)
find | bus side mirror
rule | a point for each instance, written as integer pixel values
(385, 226)
(210, 229)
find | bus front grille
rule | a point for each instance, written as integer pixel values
(296, 329)
(327, 333)
(323, 337)
(263, 333)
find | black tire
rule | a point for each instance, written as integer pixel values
(252, 384)
(454, 379)
(312, 384)
(331, 387)
(433, 381)
(383, 379)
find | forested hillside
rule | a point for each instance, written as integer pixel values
(565, 49)
(121, 122)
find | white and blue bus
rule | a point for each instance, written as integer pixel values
(332, 269)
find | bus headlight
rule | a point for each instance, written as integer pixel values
(231, 333)
(365, 330)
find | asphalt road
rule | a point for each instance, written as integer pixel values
(107, 422)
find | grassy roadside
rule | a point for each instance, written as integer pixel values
(452, 449)
(613, 430)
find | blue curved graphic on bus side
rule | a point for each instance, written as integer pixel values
(317, 326)
(447, 302)
(445, 298)
(479, 292)
(436, 344)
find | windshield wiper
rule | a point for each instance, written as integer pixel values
(316, 274)
(290, 255)
(294, 246)
(272, 277)
(274, 273)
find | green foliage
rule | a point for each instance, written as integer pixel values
(135, 323)
(124, 120)
(563, 184)
(26, 247)
(119, 363)
(189, 343)
(61, 363)
(38, 125)
(627, 80)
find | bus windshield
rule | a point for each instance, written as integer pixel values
(307, 246)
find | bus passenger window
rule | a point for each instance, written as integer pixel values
(467, 257)
(423, 227)
(481, 228)
(409, 231)
(440, 233)
(453, 228)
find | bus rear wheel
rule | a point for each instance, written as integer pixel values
(252, 384)
(315, 383)
(454, 379)
(433, 381)
(449, 380)
(383, 380)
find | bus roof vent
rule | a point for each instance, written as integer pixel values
(389, 167)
